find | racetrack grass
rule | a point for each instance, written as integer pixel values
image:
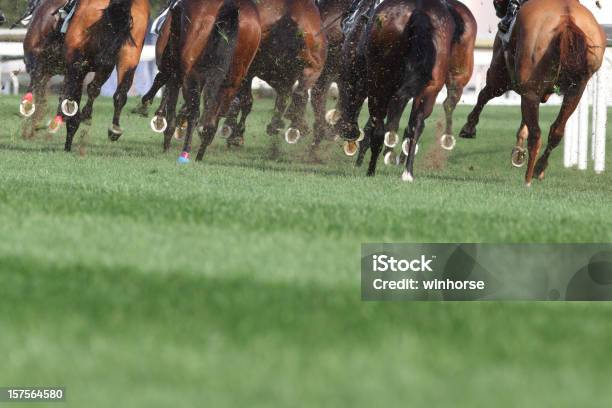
(235, 282)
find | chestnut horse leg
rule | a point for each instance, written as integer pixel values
(530, 108)
(557, 129)
(93, 91)
(498, 83)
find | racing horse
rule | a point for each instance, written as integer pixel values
(461, 67)
(293, 48)
(403, 53)
(43, 55)
(102, 34)
(554, 46)
(216, 42)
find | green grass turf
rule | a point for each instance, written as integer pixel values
(235, 282)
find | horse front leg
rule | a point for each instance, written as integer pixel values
(125, 76)
(93, 91)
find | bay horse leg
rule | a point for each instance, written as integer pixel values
(247, 106)
(161, 78)
(35, 91)
(498, 83)
(318, 95)
(125, 76)
(530, 108)
(73, 91)
(422, 107)
(191, 94)
(280, 104)
(93, 91)
(557, 129)
(167, 108)
(241, 105)
(40, 98)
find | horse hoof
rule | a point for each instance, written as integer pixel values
(391, 139)
(225, 131)
(407, 176)
(292, 135)
(350, 147)
(69, 108)
(361, 135)
(332, 116)
(27, 106)
(159, 124)
(519, 156)
(114, 133)
(390, 158)
(467, 134)
(405, 148)
(55, 124)
(448, 142)
(183, 158)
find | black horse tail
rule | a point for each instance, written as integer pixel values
(220, 50)
(421, 57)
(113, 30)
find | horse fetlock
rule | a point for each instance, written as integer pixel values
(114, 132)
(406, 147)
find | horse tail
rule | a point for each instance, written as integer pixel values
(115, 29)
(220, 49)
(573, 49)
(421, 56)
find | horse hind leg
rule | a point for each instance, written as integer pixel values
(161, 78)
(530, 108)
(93, 91)
(125, 76)
(73, 91)
(557, 129)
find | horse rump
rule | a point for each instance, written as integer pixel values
(573, 55)
(220, 50)
(112, 31)
(421, 56)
